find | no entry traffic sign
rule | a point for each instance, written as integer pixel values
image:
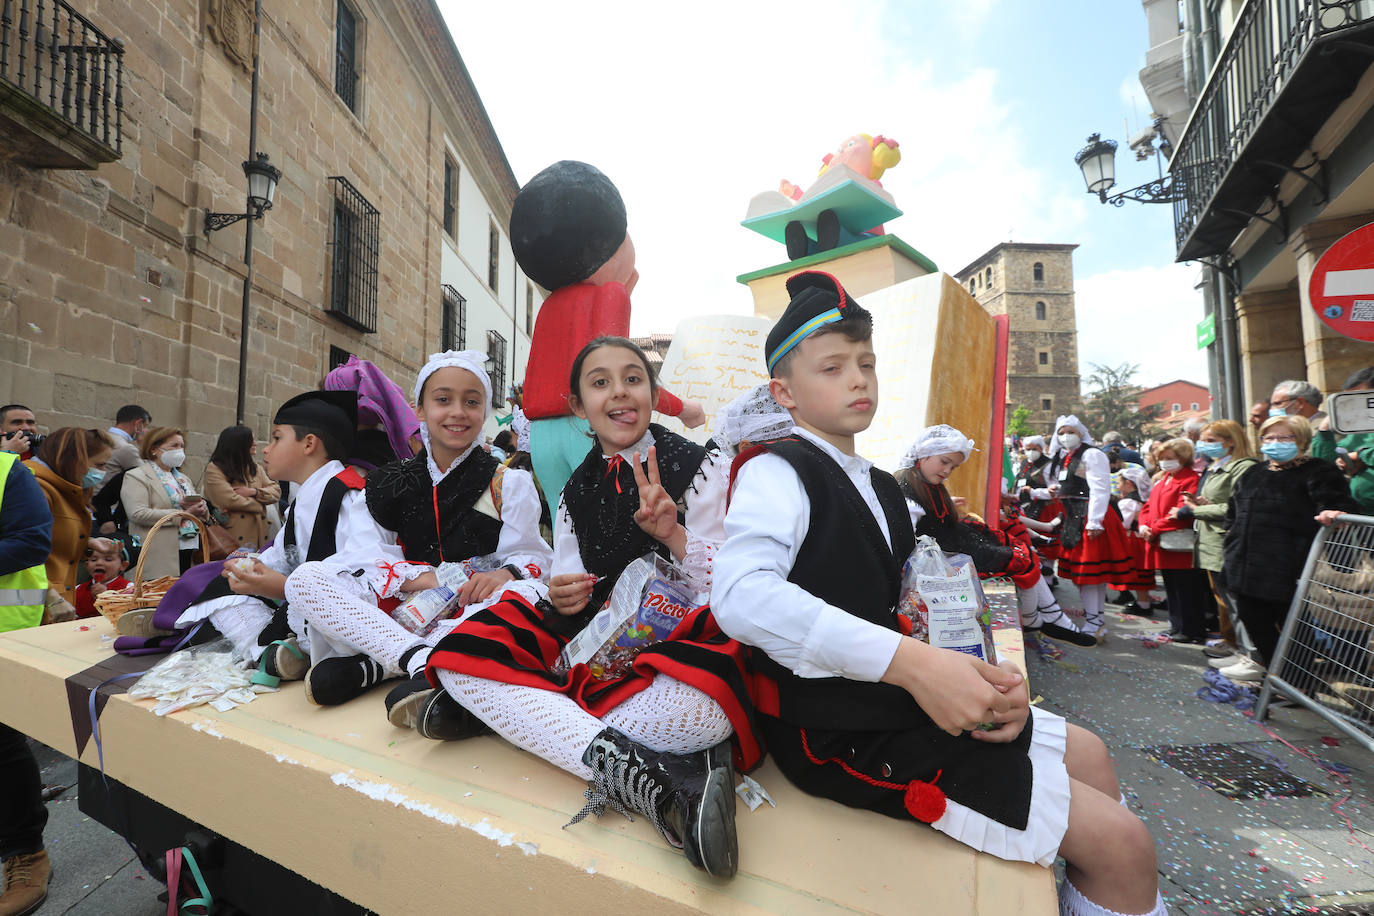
(1342, 285)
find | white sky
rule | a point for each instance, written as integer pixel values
(710, 103)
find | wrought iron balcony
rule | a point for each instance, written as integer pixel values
(61, 87)
(1286, 67)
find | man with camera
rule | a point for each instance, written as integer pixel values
(19, 431)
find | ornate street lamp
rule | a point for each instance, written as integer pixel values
(1097, 161)
(262, 178)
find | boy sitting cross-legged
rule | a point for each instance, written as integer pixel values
(851, 709)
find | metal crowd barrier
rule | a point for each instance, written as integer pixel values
(1325, 655)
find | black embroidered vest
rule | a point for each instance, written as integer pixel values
(436, 524)
(602, 502)
(1074, 491)
(846, 562)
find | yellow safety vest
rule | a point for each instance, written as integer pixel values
(23, 593)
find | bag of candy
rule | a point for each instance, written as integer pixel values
(944, 590)
(649, 600)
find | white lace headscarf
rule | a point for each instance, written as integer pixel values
(940, 439)
(1140, 477)
(752, 417)
(475, 362)
(1077, 424)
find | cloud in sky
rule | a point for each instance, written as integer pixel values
(692, 110)
(1147, 316)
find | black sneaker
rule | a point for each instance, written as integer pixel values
(405, 699)
(338, 680)
(689, 798)
(442, 718)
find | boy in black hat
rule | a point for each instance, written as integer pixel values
(311, 434)
(851, 708)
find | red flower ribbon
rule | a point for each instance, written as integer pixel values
(613, 467)
(391, 574)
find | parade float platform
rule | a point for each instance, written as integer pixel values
(296, 809)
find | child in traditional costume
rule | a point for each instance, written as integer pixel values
(451, 503)
(1004, 551)
(655, 740)
(1133, 483)
(853, 710)
(106, 560)
(311, 433)
(1094, 548)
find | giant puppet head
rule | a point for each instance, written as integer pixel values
(568, 226)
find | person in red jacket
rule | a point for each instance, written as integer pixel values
(1189, 592)
(106, 560)
(569, 233)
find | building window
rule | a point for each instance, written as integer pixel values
(453, 329)
(493, 257)
(451, 198)
(989, 280)
(1044, 357)
(1176, 408)
(337, 357)
(346, 56)
(1193, 406)
(353, 252)
(529, 308)
(1047, 403)
(1038, 271)
(972, 287)
(1041, 313)
(496, 356)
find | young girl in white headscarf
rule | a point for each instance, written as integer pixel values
(1133, 482)
(1094, 546)
(937, 451)
(451, 503)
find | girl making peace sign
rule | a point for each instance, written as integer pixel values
(654, 740)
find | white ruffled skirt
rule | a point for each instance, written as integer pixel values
(1049, 805)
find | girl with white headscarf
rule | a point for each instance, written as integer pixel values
(452, 503)
(1094, 546)
(1133, 483)
(921, 475)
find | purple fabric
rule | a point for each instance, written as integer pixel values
(184, 592)
(380, 400)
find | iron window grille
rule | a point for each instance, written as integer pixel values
(346, 56)
(496, 355)
(59, 59)
(453, 331)
(355, 247)
(337, 357)
(450, 198)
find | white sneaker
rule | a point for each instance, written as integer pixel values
(1244, 671)
(1225, 661)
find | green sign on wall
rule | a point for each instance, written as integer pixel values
(1206, 332)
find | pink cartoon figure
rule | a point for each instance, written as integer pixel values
(845, 204)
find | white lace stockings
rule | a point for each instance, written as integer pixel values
(1094, 600)
(344, 612)
(1037, 606)
(668, 715)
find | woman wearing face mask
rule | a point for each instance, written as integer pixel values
(154, 489)
(1225, 444)
(1093, 544)
(1189, 594)
(68, 464)
(1274, 513)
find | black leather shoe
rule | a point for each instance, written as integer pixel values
(689, 798)
(827, 230)
(794, 235)
(404, 701)
(442, 718)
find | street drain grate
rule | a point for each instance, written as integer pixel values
(1231, 771)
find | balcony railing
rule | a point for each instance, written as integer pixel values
(59, 73)
(1267, 49)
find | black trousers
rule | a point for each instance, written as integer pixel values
(22, 812)
(1263, 619)
(1190, 600)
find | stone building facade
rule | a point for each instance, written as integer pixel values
(395, 193)
(1032, 284)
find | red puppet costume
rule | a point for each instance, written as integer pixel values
(568, 232)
